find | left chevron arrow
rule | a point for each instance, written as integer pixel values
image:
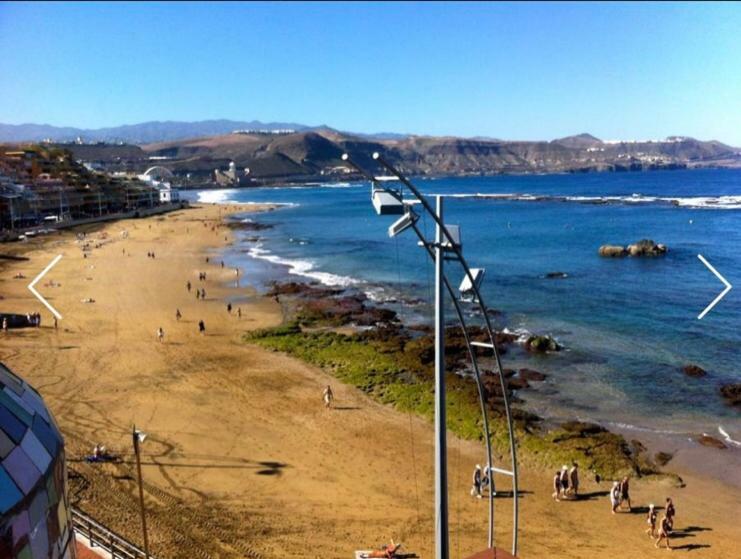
(32, 289)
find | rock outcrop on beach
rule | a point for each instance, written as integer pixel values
(644, 247)
(694, 371)
(732, 394)
(712, 442)
(532, 375)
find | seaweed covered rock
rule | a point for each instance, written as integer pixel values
(712, 442)
(532, 375)
(541, 344)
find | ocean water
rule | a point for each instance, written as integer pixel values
(628, 325)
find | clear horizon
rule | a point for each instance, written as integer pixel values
(534, 71)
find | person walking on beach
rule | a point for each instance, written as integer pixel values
(615, 496)
(5, 324)
(160, 334)
(203, 294)
(574, 479)
(651, 521)
(56, 323)
(198, 293)
(239, 312)
(625, 492)
(328, 396)
(476, 482)
(229, 308)
(565, 481)
(178, 316)
(201, 327)
(670, 512)
(188, 286)
(664, 531)
(557, 486)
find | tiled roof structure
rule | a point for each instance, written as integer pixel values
(35, 520)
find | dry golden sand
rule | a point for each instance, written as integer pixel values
(242, 458)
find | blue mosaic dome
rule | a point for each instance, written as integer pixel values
(35, 520)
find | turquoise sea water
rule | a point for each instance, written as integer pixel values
(628, 324)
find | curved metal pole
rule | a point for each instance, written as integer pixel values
(490, 331)
(479, 385)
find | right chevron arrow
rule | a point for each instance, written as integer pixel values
(721, 294)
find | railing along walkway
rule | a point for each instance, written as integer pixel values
(103, 537)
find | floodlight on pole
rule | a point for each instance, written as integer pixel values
(403, 223)
(466, 288)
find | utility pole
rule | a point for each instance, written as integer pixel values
(442, 550)
(138, 437)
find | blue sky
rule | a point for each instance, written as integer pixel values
(514, 71)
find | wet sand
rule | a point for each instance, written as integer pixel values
(242, 459)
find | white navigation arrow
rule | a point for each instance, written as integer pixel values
(722, 293)
(37, 294)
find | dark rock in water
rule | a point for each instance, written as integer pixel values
(707, 440)
(732, 394)
(582, 428)
(541, 344)
(248, 225)
(532, 375)
(556, 275)
(646, 247)
(694, 371)
(517, 383)
(298, 288)
(663, 458)
(508, 373)
(612, 250)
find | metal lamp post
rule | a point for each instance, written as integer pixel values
(138, 438)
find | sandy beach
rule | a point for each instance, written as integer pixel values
(242, 459)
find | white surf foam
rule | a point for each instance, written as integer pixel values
(304, 268)
(728, 438)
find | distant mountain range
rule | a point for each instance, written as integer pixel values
(277, 151)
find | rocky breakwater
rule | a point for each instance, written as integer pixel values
(644, 247)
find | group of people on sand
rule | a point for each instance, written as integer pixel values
(657, 529)
(566, 483)
(481, 480)
(150, 255)
(665, 526)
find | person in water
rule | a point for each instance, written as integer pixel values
(651, 521)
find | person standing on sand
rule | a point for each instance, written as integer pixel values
(229, 308)
(56, 324)
(615, 496)
(565, 481)
(557, 486)
(651, 521)
(670, 512)
(178, 316)
(663, 532)
(574, 479)
(160, 334)
(239, 312)
(201, 327)
(476, 482)
(5, 324)
(188, 286)
(203, 293)
(625, 492)
(198, 293)
(328, 396)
